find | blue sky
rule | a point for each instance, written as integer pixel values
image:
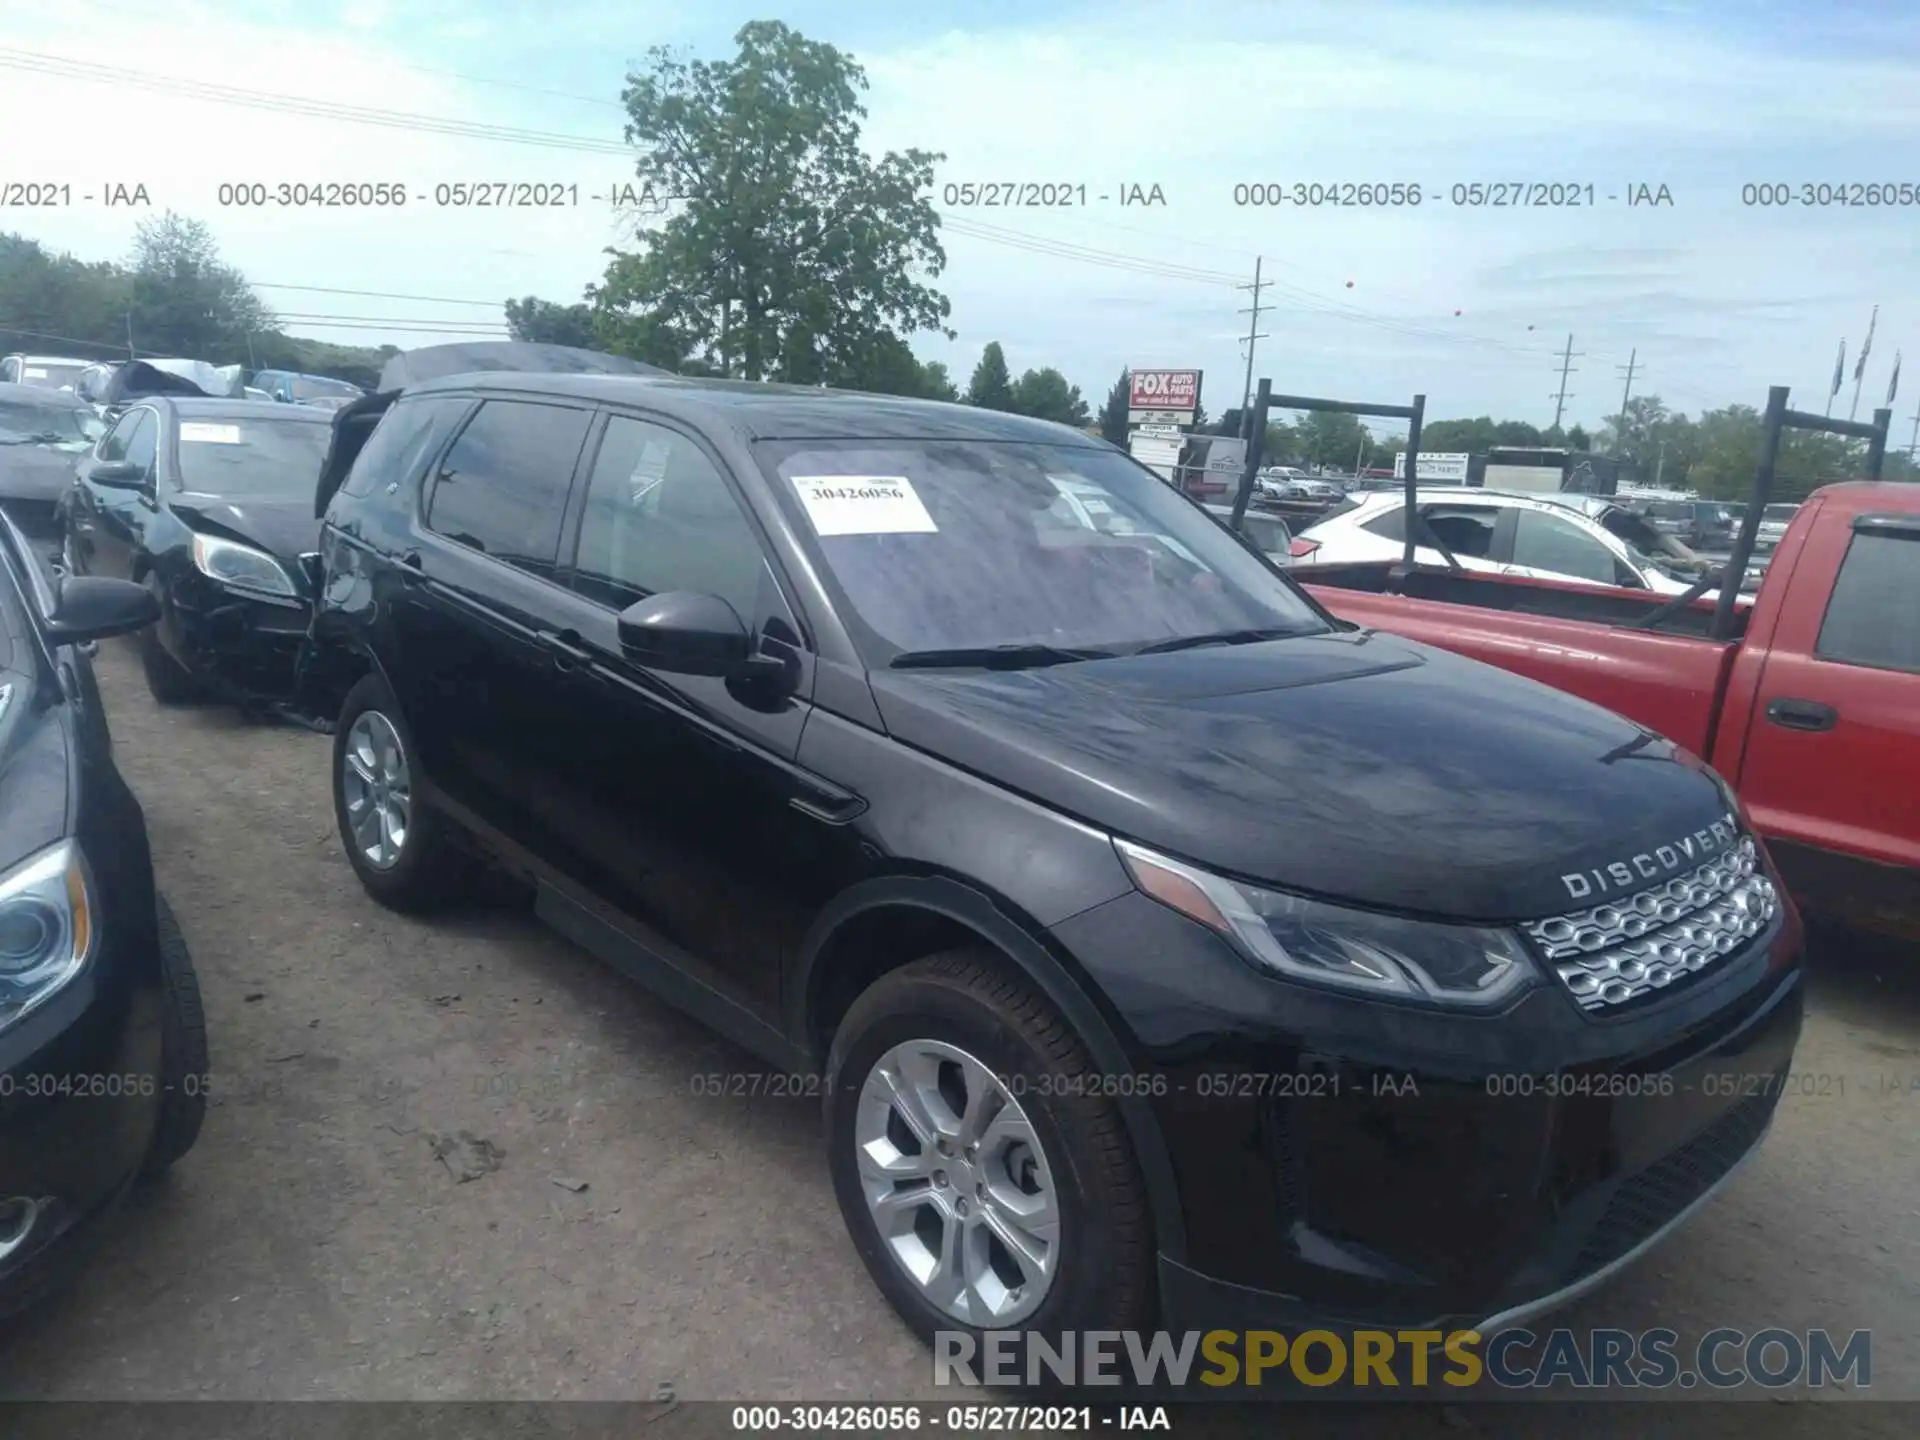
(1714, 300)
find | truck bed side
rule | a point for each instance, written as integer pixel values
(1671, 683)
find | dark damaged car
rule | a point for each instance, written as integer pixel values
(103, 1048)
(209, 505)
(42, 433)
(1157, 941)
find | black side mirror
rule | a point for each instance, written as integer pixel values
(686, 633)
(93, 607)
(119, 475)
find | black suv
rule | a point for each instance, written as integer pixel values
(1161, 944)
(103, 1051)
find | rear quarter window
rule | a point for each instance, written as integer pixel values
(1873, 617)
(407, 437)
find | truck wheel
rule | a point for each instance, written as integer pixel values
(405, 853)
(183, 1051)
(168, 681)
(983, 1187)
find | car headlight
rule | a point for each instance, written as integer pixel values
(46, 928)
(1331, 945)
(241, 566)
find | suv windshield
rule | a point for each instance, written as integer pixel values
(268, 458)
(50, 374)
(1054, 552)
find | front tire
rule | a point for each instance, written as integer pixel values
(403, 851)
(985, 1181)
(183, 1051)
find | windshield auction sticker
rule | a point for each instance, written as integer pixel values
(199, 432)
(863, 505)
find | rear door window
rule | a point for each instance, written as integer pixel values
(407, 435)
(502, 489)
(1558, 546)
(1873, 618)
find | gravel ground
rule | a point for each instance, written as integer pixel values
(638, 1234)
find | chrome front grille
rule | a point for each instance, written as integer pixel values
(1628, 948)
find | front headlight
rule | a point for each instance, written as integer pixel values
(241, 566)
(46, 928)
(1356, 950)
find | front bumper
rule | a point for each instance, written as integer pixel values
(244, 648)
(80, 1094)
(1340, 1162)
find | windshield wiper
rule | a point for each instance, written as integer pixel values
(1218, 637)
(996, 657)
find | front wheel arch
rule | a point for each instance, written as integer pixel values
(937, 911)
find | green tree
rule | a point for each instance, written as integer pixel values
(991, 387)
(936, 383)
(1631, 433)
(1113, 414)
(1577, 439)
(1329, 438)
(1517, 433)
(184, 299)
(789, 251)
(551, 323)
(1046, 395)
(1282, 446)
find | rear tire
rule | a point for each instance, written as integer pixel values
(168, 681)
(964, 1032)
(408, 858)
(183, 1051)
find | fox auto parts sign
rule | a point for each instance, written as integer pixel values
(1164, 390)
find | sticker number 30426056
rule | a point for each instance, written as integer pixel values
(863, 505)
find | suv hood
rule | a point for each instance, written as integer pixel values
(1355, 766)
(283, 528)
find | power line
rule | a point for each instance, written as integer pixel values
(374, 294)
(67, 69)
(1566, 368)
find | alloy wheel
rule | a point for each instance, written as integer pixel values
(376, 786)
(958, 1183)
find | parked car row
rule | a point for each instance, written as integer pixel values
(108, 385)
(1544, 536)
(953, 758)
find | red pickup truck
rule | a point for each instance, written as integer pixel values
(1812, 712)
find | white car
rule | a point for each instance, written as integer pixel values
(43, 372)
(1548, 536)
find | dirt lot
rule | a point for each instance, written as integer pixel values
(314, 1247)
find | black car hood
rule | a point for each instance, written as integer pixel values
(35, 472)
(283, 528)
(34, 783)
(1354, 766)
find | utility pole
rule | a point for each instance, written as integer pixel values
(1660, 465)
(1566, 368)
(1620, 430)
(1253, 334)
(132, 354)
